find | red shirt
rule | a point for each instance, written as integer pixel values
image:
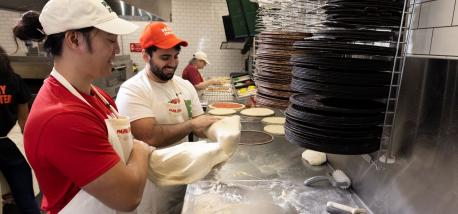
(191, 74)
(66, 143)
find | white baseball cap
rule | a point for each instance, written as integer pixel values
(202, 56)
(59, 16)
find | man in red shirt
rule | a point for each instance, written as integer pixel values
(67, 139)
(192, 74)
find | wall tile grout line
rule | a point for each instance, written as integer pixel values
(453, 14)
(431, 43)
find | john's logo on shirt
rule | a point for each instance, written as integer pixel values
(5, 98)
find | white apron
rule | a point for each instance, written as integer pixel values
(119, 136)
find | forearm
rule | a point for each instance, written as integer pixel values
(202, 85)
(138, 168)
(164, 135)
(122, 186)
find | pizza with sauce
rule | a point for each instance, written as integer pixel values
(227, 105)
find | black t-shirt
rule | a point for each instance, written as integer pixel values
(13, 91)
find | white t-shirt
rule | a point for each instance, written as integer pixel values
(140, 97)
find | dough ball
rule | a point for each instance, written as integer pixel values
(275, 129)
(314, 158)
(274, 120)
(257, 112)
(221, 111)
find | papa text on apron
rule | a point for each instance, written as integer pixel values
(119, 136)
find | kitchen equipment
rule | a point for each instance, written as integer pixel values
(255, 137)
(337, 179)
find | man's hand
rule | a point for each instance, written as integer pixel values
(201, 123)
(214, 82)
(143, 146)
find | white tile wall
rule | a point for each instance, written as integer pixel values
(445, 41)
(422, 39)
(436, 13)
(435, 29)
(198, 22)
(7, 21)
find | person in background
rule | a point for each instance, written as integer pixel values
(72, 137)
(192, 74)
(163, 108)
(14, 98)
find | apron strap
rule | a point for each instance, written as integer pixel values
(61, 79)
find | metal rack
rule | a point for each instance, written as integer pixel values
(385, 154)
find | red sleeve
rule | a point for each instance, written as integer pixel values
(80, 150)
(192, 75)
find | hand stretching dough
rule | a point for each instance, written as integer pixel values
(190, 161)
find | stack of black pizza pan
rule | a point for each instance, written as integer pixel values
(342, 74)
(273, 67)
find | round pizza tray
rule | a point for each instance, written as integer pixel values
(339, 148)
(255, 137)
(343, 77)
(269, 102)
(342, 91)
(332, 119)
(330, 104)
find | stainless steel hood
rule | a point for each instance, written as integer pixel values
(145, 10)
(159, 8)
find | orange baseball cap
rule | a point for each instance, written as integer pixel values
(161, 36)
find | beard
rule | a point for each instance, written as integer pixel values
(159, 72)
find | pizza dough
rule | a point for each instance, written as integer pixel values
(257, 112)
(314, 158)
(221, 111)
(274, 120)
(191, 161)
(275, 129)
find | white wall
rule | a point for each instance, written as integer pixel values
(198, 22)
(434, 29)
(7, 21)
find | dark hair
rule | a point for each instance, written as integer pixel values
(151, 49)
(5, 66)
(29, 28)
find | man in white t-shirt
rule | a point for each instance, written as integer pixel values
(163, 108)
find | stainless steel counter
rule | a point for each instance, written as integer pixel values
(264, 179)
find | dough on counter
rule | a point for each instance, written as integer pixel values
(274, 120)
(257, 112)
(221, 111)
(275, 129)
(191, 161)
(314, 158)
